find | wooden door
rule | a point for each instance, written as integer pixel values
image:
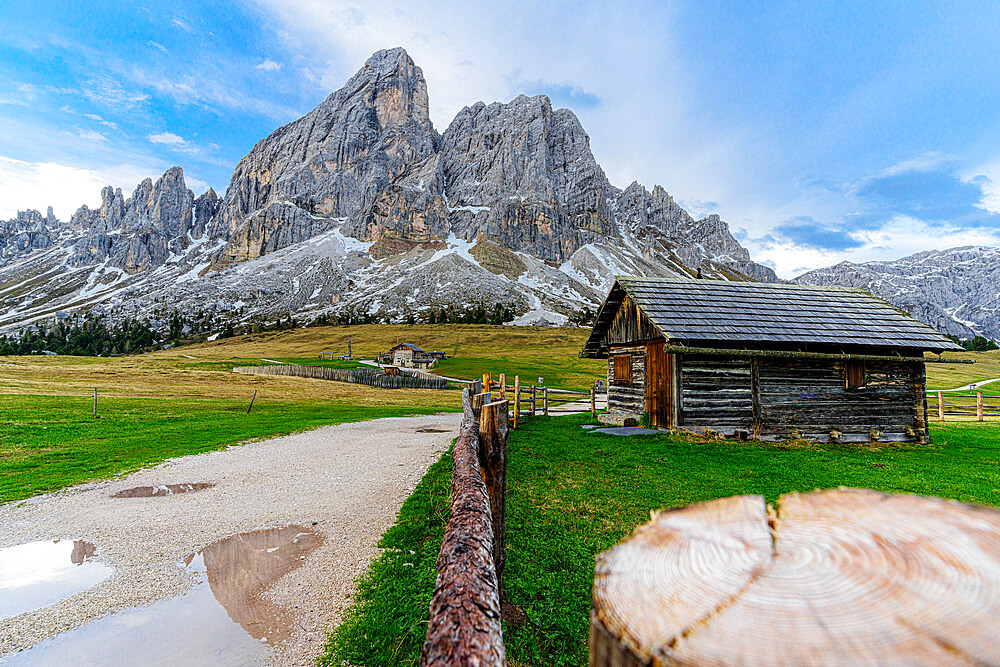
(659, 386)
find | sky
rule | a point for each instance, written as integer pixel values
(822, 132)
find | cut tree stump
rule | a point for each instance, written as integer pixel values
(840, 576)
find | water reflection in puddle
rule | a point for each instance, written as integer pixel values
(162, 490)
(222, 619)
(36, 574)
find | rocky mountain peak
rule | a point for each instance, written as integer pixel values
(332, 163)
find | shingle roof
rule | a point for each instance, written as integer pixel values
(411, 346)
(745, 312)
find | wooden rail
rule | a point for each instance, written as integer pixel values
(969, 406)
(465, 611)
(367, 376)
(531, 400)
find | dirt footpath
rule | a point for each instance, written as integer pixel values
(345, 482)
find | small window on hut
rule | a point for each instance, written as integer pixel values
(623, 369)
(854, 374)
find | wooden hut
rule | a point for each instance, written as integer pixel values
(407, 355)
(763, 361)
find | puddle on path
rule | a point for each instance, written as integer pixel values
(221, 620)
(162, 490)
(36, 574)
(432, 430)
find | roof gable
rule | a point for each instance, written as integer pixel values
(763, 313)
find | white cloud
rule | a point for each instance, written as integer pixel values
(109, 92)
(182, 25)
(90, 135)
(99, 119)
(990, 186)
(157, 45)
(64, 187)
(167, 138)
(269, 66)
(927, 161)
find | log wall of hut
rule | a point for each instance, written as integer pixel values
(811, 398)
(716, 393)
(626, 401)
(775, 399)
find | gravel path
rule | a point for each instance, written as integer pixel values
(350, 479)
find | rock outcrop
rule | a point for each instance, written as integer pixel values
(142, 232)
(334, 162)
(27, 232)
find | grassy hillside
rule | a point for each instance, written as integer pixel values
(949, 376)
(187, 400)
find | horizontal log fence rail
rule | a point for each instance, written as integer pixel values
(367, 376)
(465, 611)
(963, 406)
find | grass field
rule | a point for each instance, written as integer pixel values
(187, 400)
(573, 495)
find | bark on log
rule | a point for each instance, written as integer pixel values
(465, 622)
(841, 576)
(493, 458)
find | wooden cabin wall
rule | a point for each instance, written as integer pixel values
(716, 393)
(811, 398)
(630, 399)
(630, 325)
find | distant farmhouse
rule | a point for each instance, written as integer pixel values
(406, 355)
(763, 361)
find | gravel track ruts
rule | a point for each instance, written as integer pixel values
(350, 479)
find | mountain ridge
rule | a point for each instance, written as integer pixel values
(362, 205)
(953, 290)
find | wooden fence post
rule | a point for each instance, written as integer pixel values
(251, 401)
(941, 406)
(517, 398)
(478, 401)
(487, 381)
(979, 406)
(533, 400)
(503, 386)
(593, 402)
(545, 401)
(95, 403)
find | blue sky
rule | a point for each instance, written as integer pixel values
(820, 131)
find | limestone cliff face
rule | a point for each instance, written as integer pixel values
(522, 175)
(140, 233)
(27, 232)
(335, 162)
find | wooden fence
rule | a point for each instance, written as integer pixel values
(369, 376)
(963, 406)
(465, 611)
